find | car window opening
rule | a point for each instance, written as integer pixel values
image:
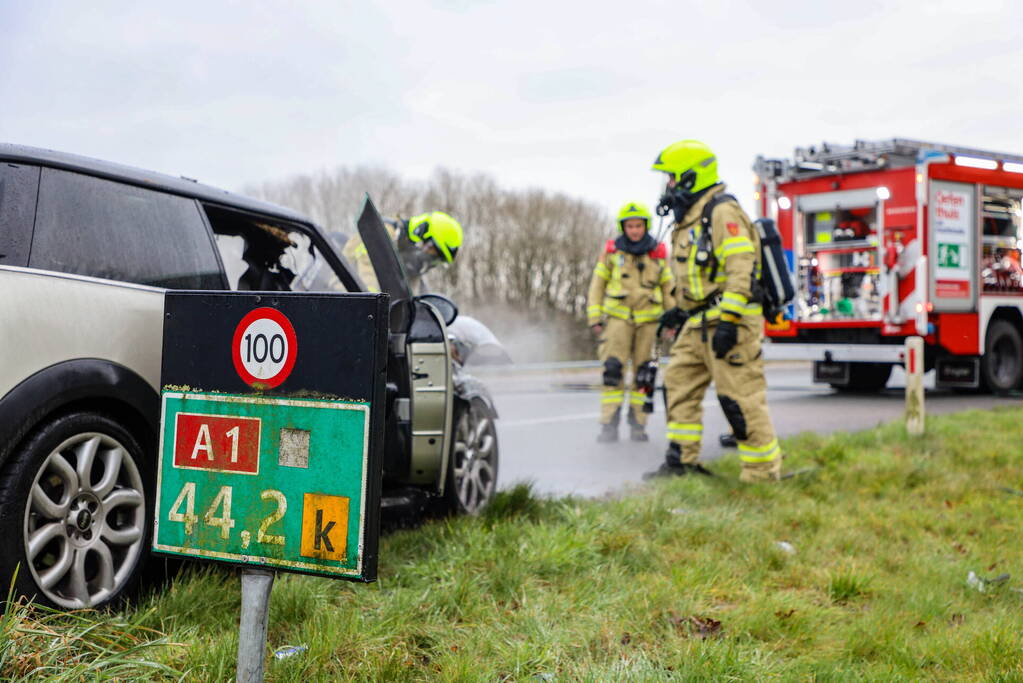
(261, 256)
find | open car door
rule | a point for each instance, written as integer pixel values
(384, 257)
(391, 277)
(419, 371)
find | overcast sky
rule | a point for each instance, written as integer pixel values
(572, 97)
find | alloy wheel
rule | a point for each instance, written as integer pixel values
(84, 521)
(474, 463)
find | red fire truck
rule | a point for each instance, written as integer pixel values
(893, 238)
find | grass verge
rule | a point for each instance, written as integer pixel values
(39, 645)
(857, 571)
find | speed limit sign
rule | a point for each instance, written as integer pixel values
(264, 348)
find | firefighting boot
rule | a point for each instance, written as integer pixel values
(674, 467)
(753, 473)
(608, 433)
(637, 432)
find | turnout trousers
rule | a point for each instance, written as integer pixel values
(625, 340)
(741, 389)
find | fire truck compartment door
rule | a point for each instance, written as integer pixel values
(849, 278)
(952, 246)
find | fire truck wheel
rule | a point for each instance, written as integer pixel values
(1001, 367)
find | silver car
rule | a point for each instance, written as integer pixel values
(87, 250)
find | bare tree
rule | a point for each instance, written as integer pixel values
(526, 261)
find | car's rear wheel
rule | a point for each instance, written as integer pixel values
(74, 512)
(472, 468)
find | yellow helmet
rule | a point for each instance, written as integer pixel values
(440, 230)
(633, 210)
(691, 163)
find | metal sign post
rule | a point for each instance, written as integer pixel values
(256, 585)
(271, 439)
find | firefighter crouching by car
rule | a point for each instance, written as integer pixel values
(423, 242)
(715, 257)
(629, 290)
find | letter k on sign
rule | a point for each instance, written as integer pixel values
(324, 526)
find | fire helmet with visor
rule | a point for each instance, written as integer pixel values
(438, 230)
(692, 167)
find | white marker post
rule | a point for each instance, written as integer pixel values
(915, 386)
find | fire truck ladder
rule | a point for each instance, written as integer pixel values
(865, 155)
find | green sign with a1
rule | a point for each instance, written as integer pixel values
(258, 481)
(271, 430)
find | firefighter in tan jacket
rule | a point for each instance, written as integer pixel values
(629, 291)
(715, 256)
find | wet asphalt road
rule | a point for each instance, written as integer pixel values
(548, 424)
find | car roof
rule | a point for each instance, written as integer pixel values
(149, 179)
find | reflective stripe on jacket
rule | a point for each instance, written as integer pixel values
(630, 287)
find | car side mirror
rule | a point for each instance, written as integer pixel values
(445, 306)
(401, 315)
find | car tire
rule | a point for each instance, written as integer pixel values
(472, 466)
(1001, 367)
(76, 502)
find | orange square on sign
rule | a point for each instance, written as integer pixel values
(324, 526)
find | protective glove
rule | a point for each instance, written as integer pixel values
(726, 336)
(672, 319)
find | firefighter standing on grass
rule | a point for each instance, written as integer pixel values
(715, 257)
(629, 290)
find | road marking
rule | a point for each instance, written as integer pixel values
(567, 418)
(544, 420)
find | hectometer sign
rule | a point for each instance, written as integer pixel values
(270, 430)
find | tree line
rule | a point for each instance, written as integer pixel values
(525, 265)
